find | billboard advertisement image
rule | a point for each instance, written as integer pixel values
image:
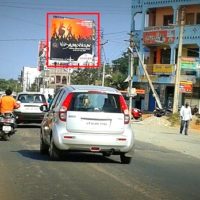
(72, 41)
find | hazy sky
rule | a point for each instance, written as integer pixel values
(23, 24)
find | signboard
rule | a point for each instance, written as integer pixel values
(189, 63)
(73, 41)
(42, 55)
(159, 36)
(163, 68)
(185, 87)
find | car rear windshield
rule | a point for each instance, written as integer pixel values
(95, 102)
(31, 98)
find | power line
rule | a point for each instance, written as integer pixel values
(19, 40)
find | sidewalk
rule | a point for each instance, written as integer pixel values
(158, 131)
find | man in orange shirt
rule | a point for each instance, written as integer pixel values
(7, 102)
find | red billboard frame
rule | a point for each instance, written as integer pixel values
(94, 14)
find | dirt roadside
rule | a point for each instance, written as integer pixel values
(194, 124)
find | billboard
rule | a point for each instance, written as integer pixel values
(73, 42)
(42, 50)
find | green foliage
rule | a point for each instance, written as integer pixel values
(115, 74)
(86, 76)
(11, 83)
(174, 119)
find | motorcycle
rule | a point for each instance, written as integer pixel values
(158, 112)
(136, 113)
(7, 125)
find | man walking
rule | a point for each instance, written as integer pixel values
(186, 116)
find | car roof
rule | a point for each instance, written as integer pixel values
(92, 87)
(30, 93)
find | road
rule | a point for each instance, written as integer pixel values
(155, 173)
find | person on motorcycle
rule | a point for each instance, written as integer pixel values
(7, 102)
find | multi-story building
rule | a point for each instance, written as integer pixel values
(158, 41)
(28, 77)
(55, 77)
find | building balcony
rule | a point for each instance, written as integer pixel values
(161, 3)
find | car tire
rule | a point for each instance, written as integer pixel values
(6, 137)
(54, 152)
(125, 159)
(44, 148)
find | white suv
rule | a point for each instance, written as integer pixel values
(29, 110)
(87, 118)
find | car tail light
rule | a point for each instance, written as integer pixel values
(45, 104)
(124, 109)
(65, 107)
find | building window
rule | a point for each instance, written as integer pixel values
(64, 80)
(165, 56)
(58, 79)
(198, 18)
(193, 52)
(189, 18)
(168, 19)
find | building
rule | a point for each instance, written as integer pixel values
(55, 77)
(28, 77)
(158, 41)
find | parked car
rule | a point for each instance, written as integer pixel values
(29, 110)
(89, 119)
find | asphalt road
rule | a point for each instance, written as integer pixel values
(155, 173)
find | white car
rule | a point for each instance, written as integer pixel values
(29, 110)
(89, 119)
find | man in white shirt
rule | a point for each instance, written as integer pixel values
(186, 116)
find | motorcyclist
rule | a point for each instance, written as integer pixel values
(7, 102)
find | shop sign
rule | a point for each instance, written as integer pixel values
(185, 87)
(159, 36)
(188, 63)
(163, 68)
(153, 78)
(140, 91)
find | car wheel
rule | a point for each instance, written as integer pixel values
(54, 152)
(6, 137)
(125, 159)
(43, 147)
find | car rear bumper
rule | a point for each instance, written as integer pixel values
(114, 143)
(28, 117)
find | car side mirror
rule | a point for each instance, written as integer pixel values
(44, 108)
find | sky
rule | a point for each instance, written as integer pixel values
(23, 25)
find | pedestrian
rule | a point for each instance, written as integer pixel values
(186, 116)
(50, 99)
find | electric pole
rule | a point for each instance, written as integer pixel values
(178, 65)
(131, 62)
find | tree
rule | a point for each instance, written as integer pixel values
(11, 83)
(87, 76)
(119, 73)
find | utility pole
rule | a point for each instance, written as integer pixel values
(178, 65)
(149, 80)
(131, 62)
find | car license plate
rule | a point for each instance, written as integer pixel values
(96, 124)
(6, 128)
